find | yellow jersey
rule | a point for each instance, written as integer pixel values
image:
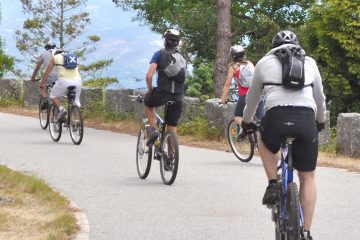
(65, 74)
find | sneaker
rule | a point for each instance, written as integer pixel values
(271, 195)
(306, 236)
(241, 136)
(61, 117)
(153, 135)
(44, 103)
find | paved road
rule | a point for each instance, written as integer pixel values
(214, 197)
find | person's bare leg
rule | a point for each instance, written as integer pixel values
(43, 92)
(238, 120)
(172, 129)
(150, 114)
(56, 102)
(269, 160)
(307, 196)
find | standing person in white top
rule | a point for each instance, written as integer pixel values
(66, 77)
(288, 111)
(44, 60)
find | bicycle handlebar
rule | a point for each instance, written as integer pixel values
(139, 98)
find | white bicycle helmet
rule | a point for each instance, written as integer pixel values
(284, 37)
(237, 52)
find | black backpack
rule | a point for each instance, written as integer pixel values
(292, 60)
(171, 71)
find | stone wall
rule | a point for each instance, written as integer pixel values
(10, 89)
(348, 127)
(348, 134)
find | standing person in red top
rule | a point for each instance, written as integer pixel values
(242, 71)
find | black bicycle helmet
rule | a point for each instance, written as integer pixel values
(284, 37)
(50, 45)
(237, 52)
(172, 38)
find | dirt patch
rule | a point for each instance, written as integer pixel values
(131, 127)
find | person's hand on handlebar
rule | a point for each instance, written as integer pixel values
(249, 127)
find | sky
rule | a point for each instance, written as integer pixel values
(129, 44)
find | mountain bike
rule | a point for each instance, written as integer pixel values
(286, 212)
(74, 121)
(44, 113)
(243, 144)
(165, 149)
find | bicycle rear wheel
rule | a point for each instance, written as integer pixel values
(293, 212)
(76, 125)
(43, 115)
(55, 127)
(143, 155)
(242, 147)
(169, 162)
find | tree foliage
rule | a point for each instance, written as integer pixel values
(60, 20)
(6, 62)
(253, 23)
(200, 83)
(332, 34)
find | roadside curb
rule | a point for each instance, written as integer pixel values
(82, 222)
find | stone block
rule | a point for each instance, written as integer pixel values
(325, 135)
(117, 100)
(191, 109)
(31, 93)
(219, 116)
(348, 134)
(10, 89)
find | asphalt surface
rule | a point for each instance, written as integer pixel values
(214, 197)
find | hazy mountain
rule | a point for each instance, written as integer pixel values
(129, 44)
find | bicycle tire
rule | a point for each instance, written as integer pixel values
(169, 162)
(276, 217)
(76, 125)
(143, 155)
(293, 214)
(55, 128)
(43, 115)
(243, 149)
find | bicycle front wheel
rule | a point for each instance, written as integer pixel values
(143, 155)
(43, 115)
(293, 212)
(169, 162)
(76, 125)
(55, 127)
(242, 147)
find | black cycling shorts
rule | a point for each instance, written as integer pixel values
(239, 109)
(298, 122)
(157, 98)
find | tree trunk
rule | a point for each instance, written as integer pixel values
(223, 43)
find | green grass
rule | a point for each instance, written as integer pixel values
(8, 102)
(201, 128)
(21, 186)
(331, 146)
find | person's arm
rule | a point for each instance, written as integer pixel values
(36, 71)
(318, 94)
(227, 85)
(47, 73)
(253, 96)
(149, 75)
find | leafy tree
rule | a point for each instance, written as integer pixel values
(6, 62)
(253, 23)
(200, 83)
(332, 34)
(64, 21)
